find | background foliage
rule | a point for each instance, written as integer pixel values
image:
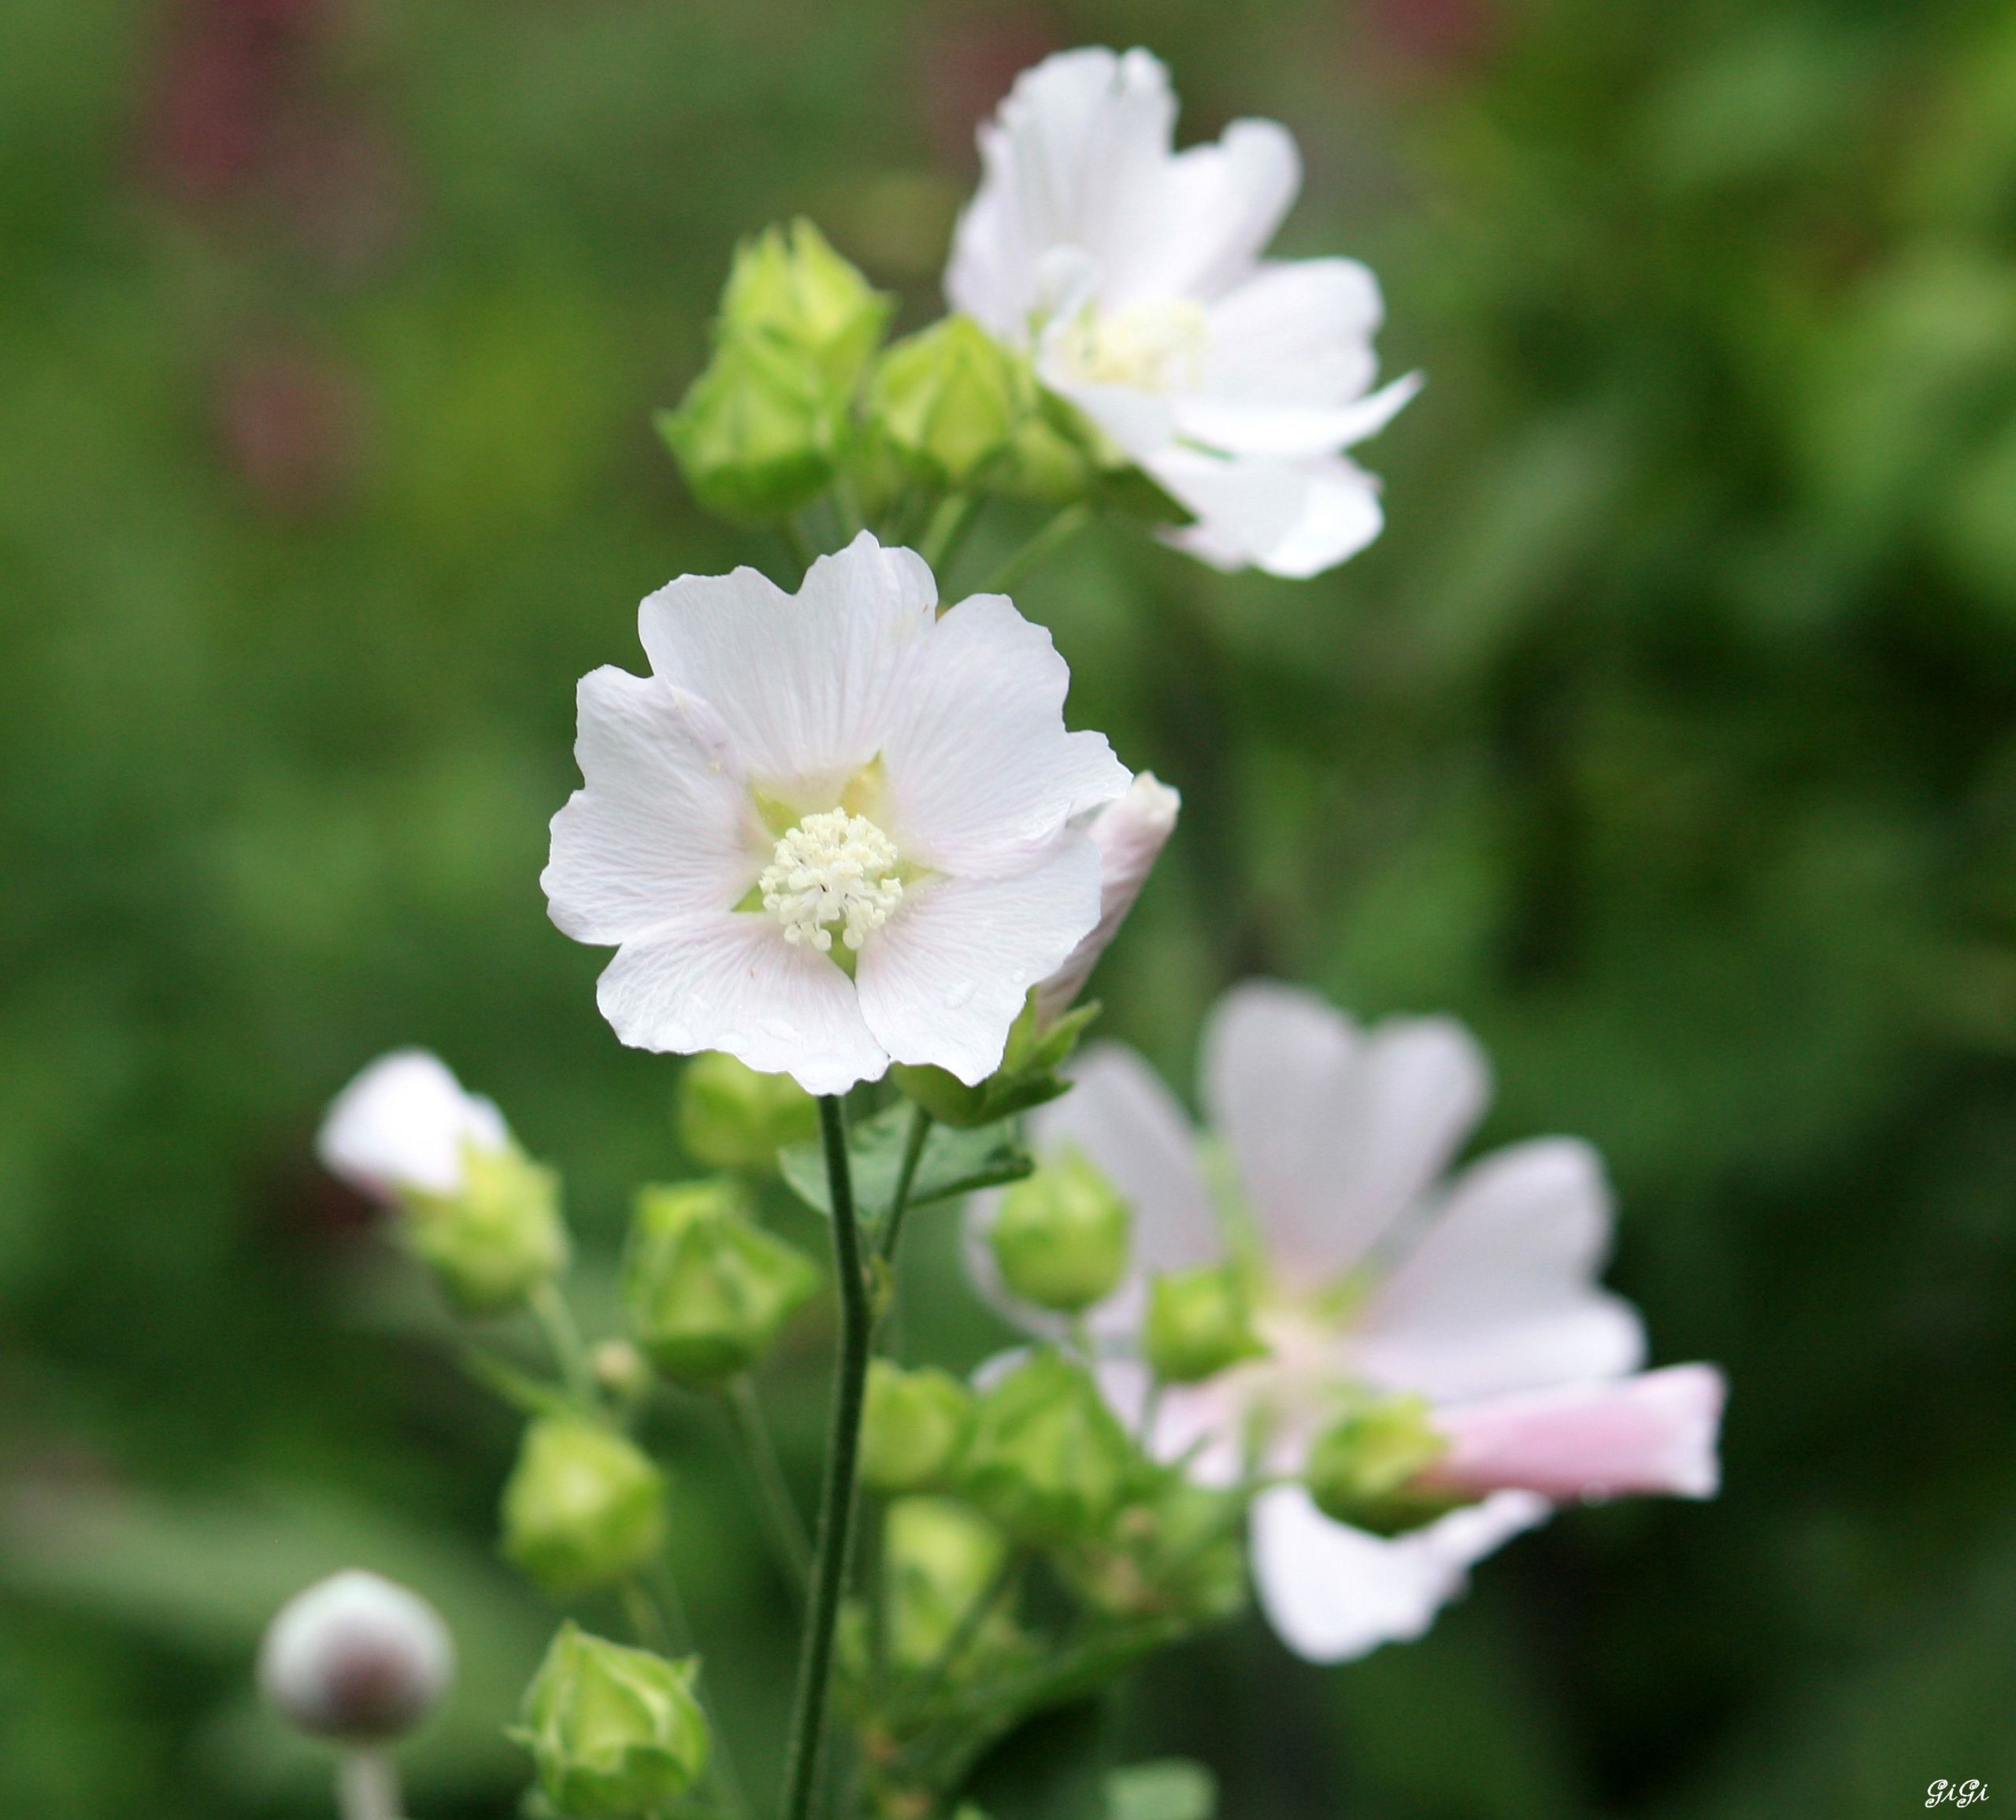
(1666, 736)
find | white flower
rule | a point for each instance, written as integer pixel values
(1370, 1272)
(356, 1657)
(1130, 833)
(830, 829)
(1132, 274)
(404, 1125)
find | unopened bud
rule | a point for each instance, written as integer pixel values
(940, 1559)
(947, 400)
(789, 287)
(498, 1238)
(913, 1427)
(356, 1658)
(584, 1507)
(1198, 1323)
(1130, 833)
(755, 435)
(707, 1287)
(730, 1116)
(612, 1732)
(1361, 1470)
(1048, 1459)
(1060, 1236)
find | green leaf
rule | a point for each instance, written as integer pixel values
(1173, 1788)
(954, 1162)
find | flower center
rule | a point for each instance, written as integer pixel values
(832, 868)
(1150, 347)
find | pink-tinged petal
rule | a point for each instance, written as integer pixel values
(1131, 1128)
(1333, 1594)
(662, 829)
(1497, 1293)
(1297, 432)
(804, 683)
(941, 982)
(1652, 1434)
(1130, 834)
(732, 981)
(980, 774)
(1290, 518)
(1336, 1132)
(1074, 157)
(403, 1125)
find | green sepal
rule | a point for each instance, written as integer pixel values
(954, 1162)
(1027, 1077)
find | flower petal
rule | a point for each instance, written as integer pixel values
(662, 828)
(1298, 332)
(1650, 1435)
(1218, 207)
(1200, 1425)
(1336, 1131)
(1333, 1593)
(1498, 1293)
(943, 979)
(1295, 431)
(980, 774)
(1130, 833)
(732, 981)
(803, 683)
(402, 1124)
(1293, 518)
(1074, 157)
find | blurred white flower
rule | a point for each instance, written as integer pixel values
(404, 1125)
(830, 829)
(356, 1657)
(1130, 833)
(1131, 274)
(1478, 1294)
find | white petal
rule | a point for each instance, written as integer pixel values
(1218, 207)
(732, 981)
(1130, 833)
(1295, 430)
(1293, 518)
(1298, 332)
(1336, 1131)
(943, 979)
(1073, 158)
(402, 1125)
(803, 683)
(1498, 1293)
(662, 829)
(980, 774)
(1143, 423)
(1333, 1594)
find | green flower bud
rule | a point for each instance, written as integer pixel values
(1060, 1236)
(612, 1732)
(1360, 1467)
(788, 287)
(913, 1427)
(1048, 1460)
(732, 1117)
(948, 400)
(1198, 1323)
(582, 1508)
(705, 1287)
(1174, 1551)
(938, 1557)
(756, 435)
(497, 1237)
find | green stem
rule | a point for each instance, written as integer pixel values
(367, 1786)
(1058, 531)
(570, 1352)
(781, 1522)
(947, 530)
(836, 1503)
(892, 1227)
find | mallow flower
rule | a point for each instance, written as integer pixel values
(1132, 274)
(1464, 1313)
(832, 829)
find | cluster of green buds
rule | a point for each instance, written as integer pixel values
(612, 1732)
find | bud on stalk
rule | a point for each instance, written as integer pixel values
(356, 1658)
(584, 1507)
(1061, 1235)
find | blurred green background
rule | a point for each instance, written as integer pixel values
(1666, 736)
